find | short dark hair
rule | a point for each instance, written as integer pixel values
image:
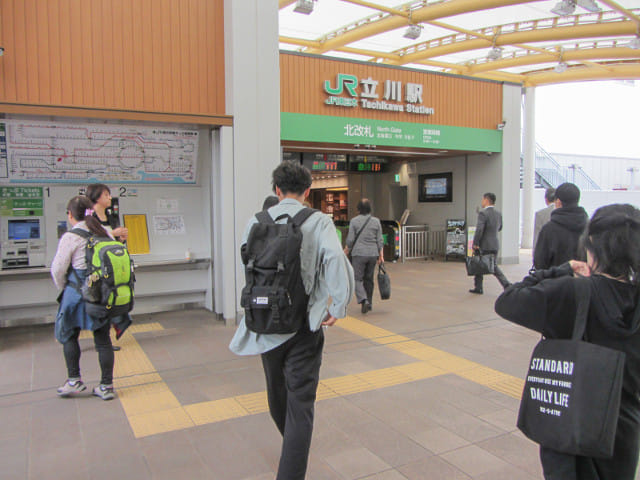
(291, 177)
(612, 237)
(364, 206)
(269, 202)
(95, 190)
(491, 197)
(568, 194)
(550, 194)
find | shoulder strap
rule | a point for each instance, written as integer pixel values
(301, 217)
(355, 240)
(81, 233)
(582, 288)
(264, 217)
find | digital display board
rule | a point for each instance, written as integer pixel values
(367, 167)
(435, 187)
(325, 162)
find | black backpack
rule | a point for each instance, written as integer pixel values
(274, 298)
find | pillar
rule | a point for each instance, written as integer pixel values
(528, 179)
(252, 97)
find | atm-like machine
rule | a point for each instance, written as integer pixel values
(22, 242)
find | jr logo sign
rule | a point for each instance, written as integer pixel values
(350, 82)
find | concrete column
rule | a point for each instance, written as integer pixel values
(225, 251)
(510, 173)
(528, 180)
(252, 87)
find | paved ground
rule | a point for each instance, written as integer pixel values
(425, 386)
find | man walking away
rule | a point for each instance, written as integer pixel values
(543, 215)
(485, 241)
(291, 361)
(558, 240)
(366, 246)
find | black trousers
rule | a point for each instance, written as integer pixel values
(363, 270)
(477, 279)
(292, 372)
(102, 341)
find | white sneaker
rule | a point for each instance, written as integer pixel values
(70, 388)
(105, 392)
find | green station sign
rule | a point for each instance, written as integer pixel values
(328, 129)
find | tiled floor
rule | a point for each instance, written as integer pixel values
(423, 387)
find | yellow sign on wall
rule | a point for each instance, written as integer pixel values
(138, 239)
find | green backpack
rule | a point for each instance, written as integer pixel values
(108, 288)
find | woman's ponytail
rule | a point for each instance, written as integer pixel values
(81, 209)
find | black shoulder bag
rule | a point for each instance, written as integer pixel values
(571, 397)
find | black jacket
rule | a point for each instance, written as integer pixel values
(545, 302)
(558, 239)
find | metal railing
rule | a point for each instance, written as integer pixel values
(549, 173)
(419, 242)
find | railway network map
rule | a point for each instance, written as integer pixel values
(48, 152)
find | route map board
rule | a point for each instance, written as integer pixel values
(54, 152)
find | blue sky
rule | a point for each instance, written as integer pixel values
(591, 118)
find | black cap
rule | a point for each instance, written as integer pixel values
(568, 194)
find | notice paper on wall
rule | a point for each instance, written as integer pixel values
(167, 205)
(169, 225)
(138, 239)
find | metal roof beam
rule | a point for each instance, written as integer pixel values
(610, 29)
(298, 41)
(581, 74)
(548, 57)
(381, 8)
(424, 14)
(619, 8)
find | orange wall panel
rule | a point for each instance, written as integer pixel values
(144, 55)
(456, 101)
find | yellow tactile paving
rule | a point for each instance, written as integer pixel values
(385, 377)
(124, 382)
(152, 408)
(159, 421)
(324, 393)
(135, 328)
(347, 385)
(147, 398)
(391, 339)
(440, 361)
(254, 402)
(417, 350)
(420, 370)
(215, 411)
(143, 327)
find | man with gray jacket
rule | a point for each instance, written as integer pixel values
(365, 244)
(543, 216)
(485, 241)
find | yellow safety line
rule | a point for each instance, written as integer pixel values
(152, 408)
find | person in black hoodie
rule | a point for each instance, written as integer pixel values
(558, 239)
(545, 302)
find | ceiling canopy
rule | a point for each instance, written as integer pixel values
(530, 42)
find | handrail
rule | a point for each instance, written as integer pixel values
(550, 173)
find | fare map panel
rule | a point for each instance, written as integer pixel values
(54, 152)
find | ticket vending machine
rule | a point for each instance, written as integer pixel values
(22, 242)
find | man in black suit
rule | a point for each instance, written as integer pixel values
(485, 240)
